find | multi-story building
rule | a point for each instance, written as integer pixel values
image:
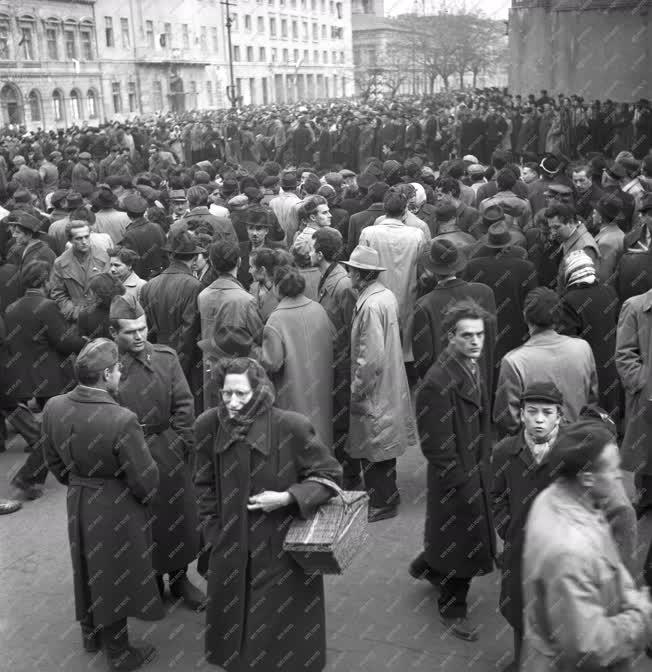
(289, 50)
(49, 70)
(65, 62)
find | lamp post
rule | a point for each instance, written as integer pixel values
(231, 92)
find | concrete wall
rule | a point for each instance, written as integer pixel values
(596, 54)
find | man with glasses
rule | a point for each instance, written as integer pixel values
(154, 387)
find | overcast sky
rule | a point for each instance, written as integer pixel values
(496, 9)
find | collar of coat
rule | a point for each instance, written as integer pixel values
(257, 437)
(91, 395)
(226, 281)
(68, 258)
(460, 377)
(144, 358)
(288, 303)
(177, 268)
(374, 288)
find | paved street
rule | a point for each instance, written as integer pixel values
(379, 619)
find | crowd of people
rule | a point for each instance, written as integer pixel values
(207, 319)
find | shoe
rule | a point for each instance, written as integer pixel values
(420, 570)
(383, 513)
(192, 597)
(460, 627)
(27, 491)
(92, 641)
(132, 658)
(9, 506)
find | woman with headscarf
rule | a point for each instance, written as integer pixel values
(589, 310)
(253, 468)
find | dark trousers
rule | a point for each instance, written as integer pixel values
(114, 637)
(644, 486)
(453, 590)
(518, 646)
(350, 465)
(34, 471)
(380, 483)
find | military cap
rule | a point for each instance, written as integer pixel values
(97, 355)
(125, 307)
(134, 203)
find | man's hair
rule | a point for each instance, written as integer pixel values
(581, 167)
(456, 170)
(449, 185)
(467, 309)
(541, 307)
(270, 259)
(224, 255)
(125, 255)
(505, 180)
(532, 166)
(499, 160)
(75, 224)
(89, 378)
(197, 196)
(564, 212)
(309, 207)
(289, 281)
(394, 202)
(84, 215)
(105, 287)
(579, 447)
(329, 242)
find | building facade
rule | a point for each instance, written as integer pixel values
(87, 61)
(594, 48)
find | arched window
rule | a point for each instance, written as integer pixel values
(57, 105)
(91, 99)
(75, 105)
(34, 100)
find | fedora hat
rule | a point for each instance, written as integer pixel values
(445, 257)
(499, 236)
(74, 200)
(182, 242)
(104, 198)
(364, 258)
(493, 214)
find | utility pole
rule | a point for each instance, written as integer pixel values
(231, 92)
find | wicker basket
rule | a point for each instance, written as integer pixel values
(327, 542)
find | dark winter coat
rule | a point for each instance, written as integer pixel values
(170, 303)
(10, 287)
(517, 480)
(361, 220)
(275, 611)
(591, 312)
(428, 337)
(97, 448)
(146, 239)
(154, 388)
(39, 343)
(453, 414)
(634, 274)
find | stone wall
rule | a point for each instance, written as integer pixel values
(593, 53)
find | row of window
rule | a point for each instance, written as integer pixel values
(333, 6)
(285, 56)
(63, 40)
(336, 32)
(74, 108)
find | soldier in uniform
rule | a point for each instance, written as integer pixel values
(97, 448)
(154, 388)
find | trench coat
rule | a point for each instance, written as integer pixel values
(69, 280)
(97, 449)
(298, 353)
(455, 431)
(582, 608)
(154, 388)
(382, 425)
(633, 362)
(263, 611)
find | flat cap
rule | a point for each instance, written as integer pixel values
(125, 307)
(476, 169)
(542, 391)
(85, 155)
(134, 203)
(559, 189)
(347, 173)
(177, 195)
(97, 355)
(334, 179)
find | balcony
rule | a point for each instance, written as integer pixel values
(58, 67)
(173, 55)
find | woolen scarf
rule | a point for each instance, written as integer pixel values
(262, 400)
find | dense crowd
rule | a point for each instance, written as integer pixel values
(208, 318)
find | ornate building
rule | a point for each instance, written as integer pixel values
(594, 48)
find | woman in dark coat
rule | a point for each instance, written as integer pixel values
(252, 468)
(93, 320)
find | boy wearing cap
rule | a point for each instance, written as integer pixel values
(145, 238)
(582, 609)
(154, 387)
(97, 449)
(521, 469)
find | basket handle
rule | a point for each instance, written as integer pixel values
(328, 484)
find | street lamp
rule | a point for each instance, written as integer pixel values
(231, 92)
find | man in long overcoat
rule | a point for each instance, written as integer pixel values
(381, 426)
(97, 449)
(143, 237)
(154, 388)
(453, 412)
